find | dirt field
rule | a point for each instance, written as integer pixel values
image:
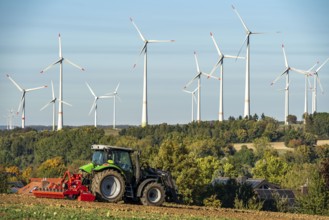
(277, 145)
(25, 203)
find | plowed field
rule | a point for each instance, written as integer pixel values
(15, 206)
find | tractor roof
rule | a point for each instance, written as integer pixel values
(102, 147)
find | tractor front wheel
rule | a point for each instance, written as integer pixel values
(108, 185)
(153, 194)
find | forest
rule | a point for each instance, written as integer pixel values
(195, 154)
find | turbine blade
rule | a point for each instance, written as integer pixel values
(73, 64)
(51, 65)
(92, 92)
(276, 79)
(45, 106)
(105, 97)
(310, 69)
(116, 89)
(37, 88)
(60, 45)
(244, 25)
(300, 71)
(161, 41)
(210, 76)
(318, 69)
(52, 90)
(19, 88)
(92, 106)
(189, 83)
(318, 79)
(21, 103)
(215, 43)
(233, 57)
(138, 56)
(66, 103)
(285, 57)
(184, 90)
(139, 32)
(242, 45)
(196, 62)
(215, 67)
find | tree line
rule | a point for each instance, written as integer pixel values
(195, 154)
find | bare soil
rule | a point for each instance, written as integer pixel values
(171, 211)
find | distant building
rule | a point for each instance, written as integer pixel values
(262, 188)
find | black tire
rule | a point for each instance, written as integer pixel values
(108, 185)
(153, 194)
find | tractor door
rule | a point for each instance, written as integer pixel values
(123, 160)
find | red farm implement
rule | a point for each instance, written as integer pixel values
(69, 187)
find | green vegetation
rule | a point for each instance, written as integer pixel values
(195, 154)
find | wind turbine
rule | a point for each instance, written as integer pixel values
(9, 119)
(114, 95)
(198, 76)
(53, 101)
(144, 50)
(221, 65)
(60, 61)
(193, 100)
(22, 102)
(286, 73)
(316, 80)
(247, 83)
(94, 105)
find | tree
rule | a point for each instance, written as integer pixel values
(292, 119)
(54, 167)
(271, 168)
(316, 202)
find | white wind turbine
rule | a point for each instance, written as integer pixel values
(9, 119)
(144, 50)
(94, 105)
(53, 101)
(60, 61)
(193, 100)
(247, 83)
(316, 80)
(198, 76)
(22, 102)
(220, 63)
(286, 73)
(114, 95)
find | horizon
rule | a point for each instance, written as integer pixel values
(99, 37)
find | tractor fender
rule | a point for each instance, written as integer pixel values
(142, 185)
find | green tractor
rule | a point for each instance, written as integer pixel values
(115, 174)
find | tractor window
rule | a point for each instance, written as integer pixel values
(98, 158)
(122, 159)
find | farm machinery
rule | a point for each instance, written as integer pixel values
(114, 174)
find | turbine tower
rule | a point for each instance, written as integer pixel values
(193, 100)
(60, 61)
(22, 102)
(94, 105)
(247, 83)
(221, 65)
(286, 74)
(144, 50)
(198, 76)
(114, 95)
(316, 81)
(53, 101)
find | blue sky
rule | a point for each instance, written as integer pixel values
(99, 36)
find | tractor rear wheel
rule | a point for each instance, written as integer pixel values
(153, 194)
(108, 185)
